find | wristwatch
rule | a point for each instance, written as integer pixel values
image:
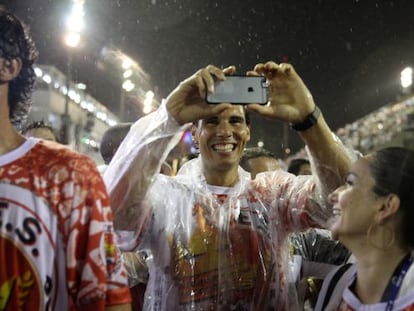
(309, 121)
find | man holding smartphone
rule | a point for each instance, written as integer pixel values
(217, 239)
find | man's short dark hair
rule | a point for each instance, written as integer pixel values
(111, 140)
(16, 42)
(253, 153)
(295, 165)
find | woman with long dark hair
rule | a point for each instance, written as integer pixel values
(374, 214)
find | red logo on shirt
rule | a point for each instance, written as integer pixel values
(18, 280)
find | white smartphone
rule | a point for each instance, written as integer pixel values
(240, 90)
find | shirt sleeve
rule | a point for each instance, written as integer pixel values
(95, 272)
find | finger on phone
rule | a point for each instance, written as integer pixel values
(252, 73)
(229, 70)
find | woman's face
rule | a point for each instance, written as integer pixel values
(354, 203)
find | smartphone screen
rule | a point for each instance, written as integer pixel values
(239, 90)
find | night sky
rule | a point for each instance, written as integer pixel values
(349, 53)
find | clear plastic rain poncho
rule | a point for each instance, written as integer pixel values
(207, 247)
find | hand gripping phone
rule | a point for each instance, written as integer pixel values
(240, 90)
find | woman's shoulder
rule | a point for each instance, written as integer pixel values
(334, 286)
(407, 285)
(405, 299)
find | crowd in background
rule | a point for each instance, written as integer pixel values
(392, 124)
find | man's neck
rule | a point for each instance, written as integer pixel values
(10, 139)
(226, 178)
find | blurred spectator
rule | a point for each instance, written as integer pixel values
(111, 140)
(41, 130)
(383, 127)
(299, 166)
(256, 160)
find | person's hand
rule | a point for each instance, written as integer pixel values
(289, 98)
(187, 102)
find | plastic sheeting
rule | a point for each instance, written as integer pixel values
(316, 245)
(208, 247)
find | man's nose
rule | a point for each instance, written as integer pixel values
(224, 129)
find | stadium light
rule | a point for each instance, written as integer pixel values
(72, 39)
(406, 77)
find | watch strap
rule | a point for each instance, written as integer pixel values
(309, 121)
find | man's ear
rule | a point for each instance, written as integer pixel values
(248, 132)
(10, 69)
(389, 208)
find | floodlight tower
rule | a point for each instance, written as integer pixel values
(72, 39)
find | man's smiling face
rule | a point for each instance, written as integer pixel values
(222, 138)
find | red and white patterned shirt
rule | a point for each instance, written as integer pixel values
(57, 246)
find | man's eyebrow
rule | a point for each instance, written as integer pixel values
(237, 117)
(210, 118)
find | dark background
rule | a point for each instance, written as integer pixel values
(349, 53)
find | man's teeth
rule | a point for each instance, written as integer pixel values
(224, 147)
